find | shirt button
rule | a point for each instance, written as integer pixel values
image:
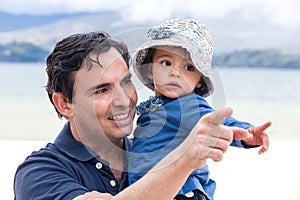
(112, 183)
(98, 165)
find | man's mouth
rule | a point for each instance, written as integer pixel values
(119, 117)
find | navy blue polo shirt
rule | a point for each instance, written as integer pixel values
(65, 169)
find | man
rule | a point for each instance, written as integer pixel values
(90, 85)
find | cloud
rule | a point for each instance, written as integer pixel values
(46, 7)
(284, 13)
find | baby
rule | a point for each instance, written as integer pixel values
(176, 65)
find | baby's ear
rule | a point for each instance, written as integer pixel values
(199, 84)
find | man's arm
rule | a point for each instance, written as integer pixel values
(208, 139)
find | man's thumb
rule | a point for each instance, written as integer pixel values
(218, 116)
(241, 134)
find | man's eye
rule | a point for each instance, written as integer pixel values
(166, 63)
(127, 81)
(189, 68)
(101, 91)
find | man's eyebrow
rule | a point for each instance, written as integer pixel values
(102, 85)
(94, 88)
(128, 76)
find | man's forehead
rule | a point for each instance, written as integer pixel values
(107, 58)
(111, 68)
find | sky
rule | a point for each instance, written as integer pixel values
(285, 13)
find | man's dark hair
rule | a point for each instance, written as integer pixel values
(68, 56)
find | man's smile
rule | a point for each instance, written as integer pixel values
(119, 117)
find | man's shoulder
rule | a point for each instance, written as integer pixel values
(45, 155)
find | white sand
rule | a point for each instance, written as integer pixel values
(244, 174)
(241, 175)
(13, 152)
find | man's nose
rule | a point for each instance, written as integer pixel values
(120, 97)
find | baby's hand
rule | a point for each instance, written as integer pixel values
(260, 138)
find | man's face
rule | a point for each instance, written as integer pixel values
(104, 99)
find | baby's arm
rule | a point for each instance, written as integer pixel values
(259, 137)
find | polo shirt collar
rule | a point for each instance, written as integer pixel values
(66, 143)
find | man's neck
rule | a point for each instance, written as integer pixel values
(115, 156)
(107, 149)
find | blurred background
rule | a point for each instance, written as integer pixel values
(256, 64)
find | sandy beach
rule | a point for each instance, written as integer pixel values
(246, 175)
(242, 174)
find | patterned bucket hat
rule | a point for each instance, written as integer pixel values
(189, 34)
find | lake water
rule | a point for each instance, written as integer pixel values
(256, 95)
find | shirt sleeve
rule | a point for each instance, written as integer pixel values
(45, 177)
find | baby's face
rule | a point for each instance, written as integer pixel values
(173, 73)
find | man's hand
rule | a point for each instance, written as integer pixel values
(210, 139)
(94, 195)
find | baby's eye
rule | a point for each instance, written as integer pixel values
(166, 63)
(189, 68)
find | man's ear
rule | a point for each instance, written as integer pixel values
(62, 105)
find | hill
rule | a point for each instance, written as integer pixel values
(55, 27)
(10, 22)
(22, 52)
(259, 58)
(27, 52)
(232, 32)
(239, 41)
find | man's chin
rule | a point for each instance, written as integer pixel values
(123, 132)
(127, 131)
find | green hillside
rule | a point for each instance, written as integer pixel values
(259, 58)
(27, 52)
(22, 52)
